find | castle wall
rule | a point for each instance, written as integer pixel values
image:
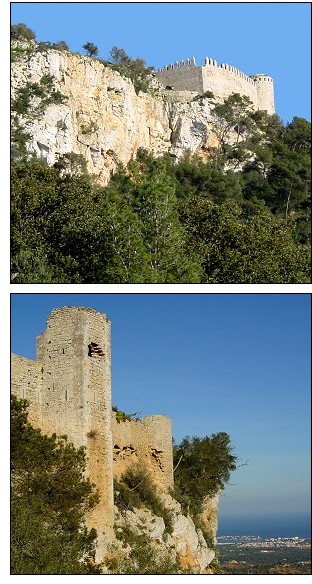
(129, 445)
(222, 81)
(146, 443)
(69, 390)
(26, 378)
(182, 78)
(159, 444)
(265, 91)
(74, 398)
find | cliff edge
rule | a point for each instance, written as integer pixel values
(100, 116)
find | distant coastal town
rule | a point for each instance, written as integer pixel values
(249, 554)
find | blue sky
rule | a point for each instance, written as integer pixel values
(238, 363)
(271, 38)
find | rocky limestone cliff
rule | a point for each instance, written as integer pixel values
(103, 118)
(184, 542)
(209, 516)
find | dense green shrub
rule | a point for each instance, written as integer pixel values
(135, 489)
(122, 416)
(90, 49)
(155, 222)
(202, 468)
(60, 46)
(25, 102)
(125, 498)
(22, 32)
(49, 499)
(135, 69)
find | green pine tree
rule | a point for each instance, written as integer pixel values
(49, 500)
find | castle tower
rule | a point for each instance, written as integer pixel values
(75, 355)
(265, 92)
(159, 448)
(69, 390)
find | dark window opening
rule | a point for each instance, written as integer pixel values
(95, 350)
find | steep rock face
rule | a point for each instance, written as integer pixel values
(184, 542)
(102, 118)
(192, 127)
(209, 516)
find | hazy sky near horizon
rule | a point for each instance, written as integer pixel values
(272, 38)
(238, 363)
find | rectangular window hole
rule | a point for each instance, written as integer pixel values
(94, 350)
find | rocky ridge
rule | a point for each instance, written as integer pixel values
(103, 119)
(184, 542)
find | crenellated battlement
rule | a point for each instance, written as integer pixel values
(221, 80)
(210, 63)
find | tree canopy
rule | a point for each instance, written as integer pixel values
(49, 499)
(91, 49)
(202, 468)
(22, 32)
(238, 213)
(135, 69)
(160, 222)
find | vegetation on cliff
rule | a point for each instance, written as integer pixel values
(135, 69)
(50, 497)
(160, 222)
(135, 489)
(240, 216)
(142, 558)
(202, 469)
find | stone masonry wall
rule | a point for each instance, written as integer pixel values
(224, 80)
(147, 443)
(69, 390)
(182, 78)
(26, 383)
(159, 444)
(265, 90)
(221, 80)
(70, 393)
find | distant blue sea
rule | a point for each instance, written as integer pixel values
(266, 526)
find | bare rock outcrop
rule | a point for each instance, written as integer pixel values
(184, 542)
(102, 118)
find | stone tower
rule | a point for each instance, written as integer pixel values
(68, 388)
(74, 351)
(265, 91)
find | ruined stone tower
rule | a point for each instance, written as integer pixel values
(69, 390)
(73, 397)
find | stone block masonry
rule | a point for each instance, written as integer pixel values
(146, 443)
(221, 80)
(69, 390)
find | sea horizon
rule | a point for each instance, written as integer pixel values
(266, 527)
